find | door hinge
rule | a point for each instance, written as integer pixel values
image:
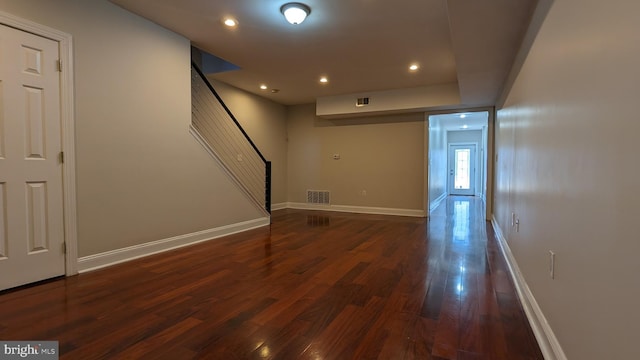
(59, 65)
(61, 157)
(64, 247)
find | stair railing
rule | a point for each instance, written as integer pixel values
(215, 127)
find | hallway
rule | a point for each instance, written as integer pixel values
(317, 285)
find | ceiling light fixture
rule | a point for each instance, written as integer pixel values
(295, 13)
(230, 22)
(263, 87)
(462, 116)
(324, 80)
(414, 67)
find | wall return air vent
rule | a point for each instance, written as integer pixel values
(363, 101)
(318, 197)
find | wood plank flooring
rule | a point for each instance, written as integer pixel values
(316, 285)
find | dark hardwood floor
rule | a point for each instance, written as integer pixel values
(317, 285)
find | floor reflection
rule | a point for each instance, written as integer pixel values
(457, 245)
(318, 220)
(268, 260)
(461, 220)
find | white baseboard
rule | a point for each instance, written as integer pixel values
(549, 345)
(98, 261)
(279, 206)
(437, 202)
(358, 209)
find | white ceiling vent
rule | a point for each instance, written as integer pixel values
(318, 197)
(363, 101)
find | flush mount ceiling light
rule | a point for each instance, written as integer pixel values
(462, 116)
(295, 13)
(414, 67)
(324, 80)
(263, 87)
(230, 22)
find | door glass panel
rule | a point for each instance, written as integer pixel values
(462, 176)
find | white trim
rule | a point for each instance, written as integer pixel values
(549, 345)
(438, 201)
(98, 261)
(279, 206)
(67, 116)
(358, 209)
(200, 139)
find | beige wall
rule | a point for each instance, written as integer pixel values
(567, 167)
(265, 122)
(381, 155)
(140, 175)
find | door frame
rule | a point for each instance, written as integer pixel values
(474, 173)
(67, 118)
(489, 154)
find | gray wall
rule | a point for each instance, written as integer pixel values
(568, 168)
(470, 136)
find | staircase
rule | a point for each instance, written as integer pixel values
(215, 127)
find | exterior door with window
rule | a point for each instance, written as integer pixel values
(462, 168)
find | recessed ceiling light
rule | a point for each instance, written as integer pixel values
(263, 87)
(462, 116)
(464, 126)
(324, 80)
(230, 22)
(414, 67)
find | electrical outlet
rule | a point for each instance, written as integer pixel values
(336, 156)
(552, 264)
(239, 157)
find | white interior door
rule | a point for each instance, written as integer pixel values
(31, 207)
(462, 168)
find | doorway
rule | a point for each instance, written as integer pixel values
(443, 130)
(462, 169)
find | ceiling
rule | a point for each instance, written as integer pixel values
(360, 45)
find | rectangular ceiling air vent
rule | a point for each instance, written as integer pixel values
(318, 197)
(363, 101)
